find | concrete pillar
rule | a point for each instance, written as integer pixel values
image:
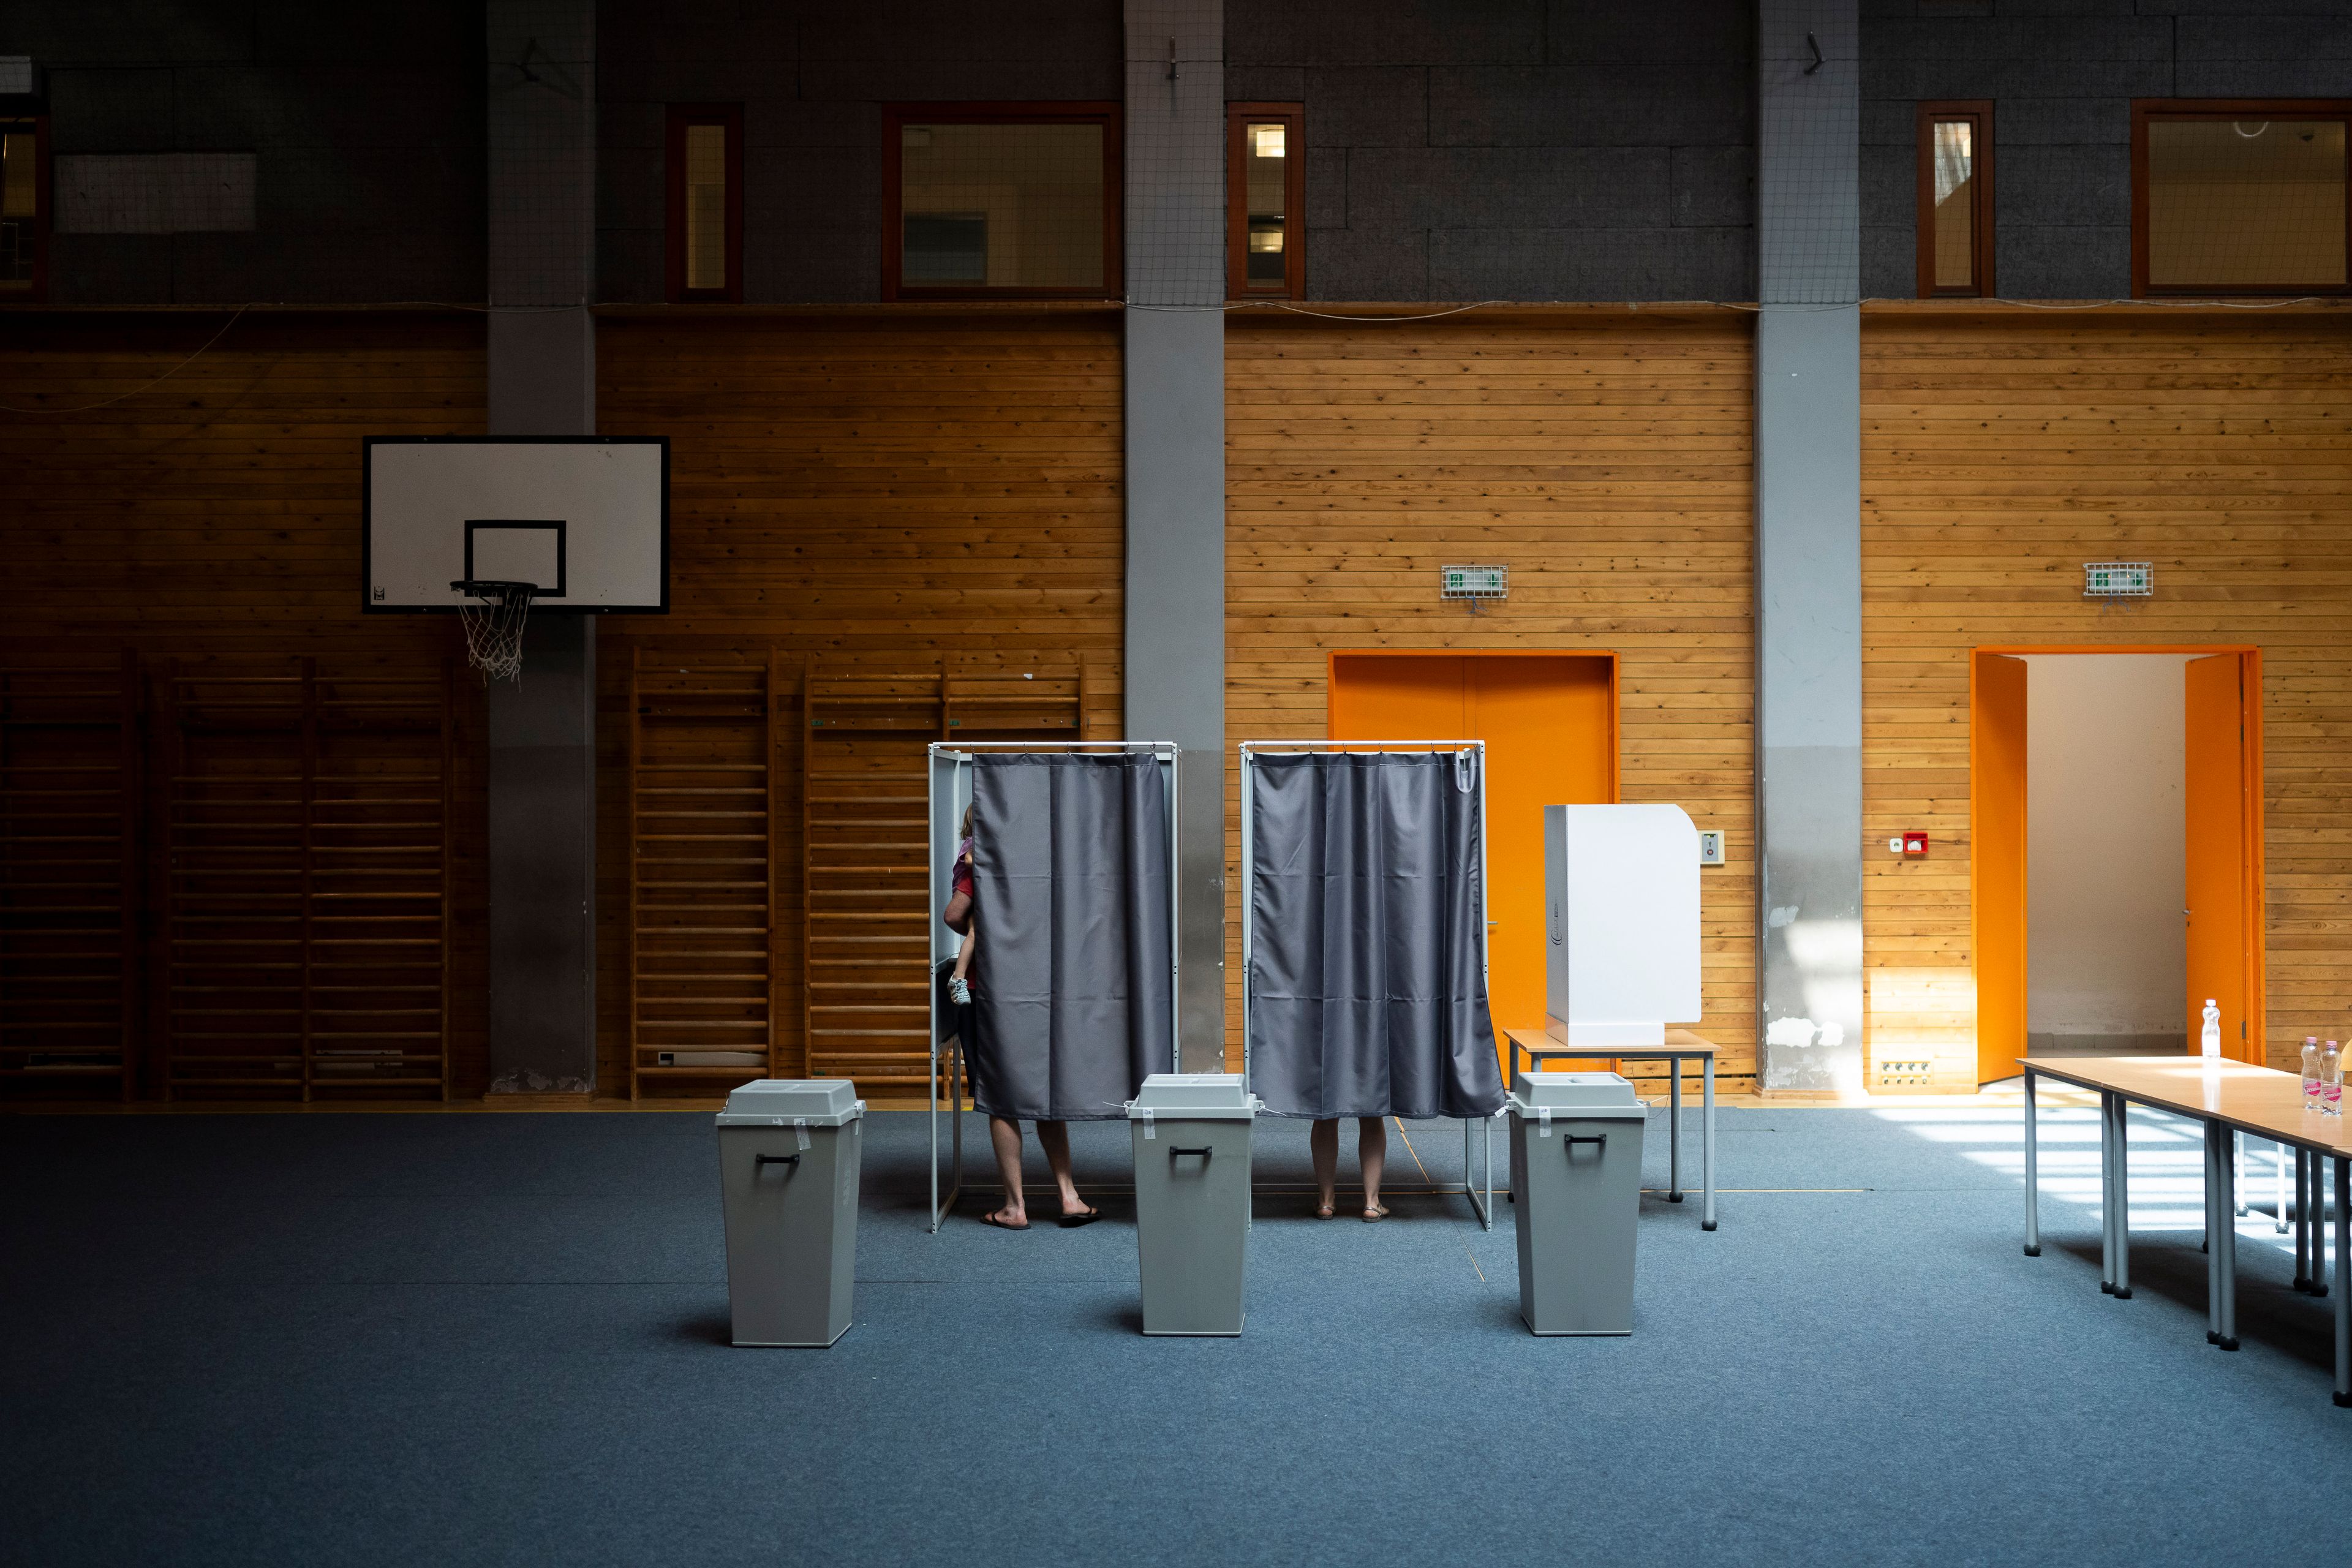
(1175, 459)
(1809, 546)
(542, 381)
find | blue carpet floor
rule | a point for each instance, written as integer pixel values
(501, 1339)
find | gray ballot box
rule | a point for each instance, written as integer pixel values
(1192, 1136)
(1576, 1173)
(788, 1160)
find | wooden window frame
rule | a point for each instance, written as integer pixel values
(681, 116)
(1979, 109)
(1294, 201)
(2143, 110)
(44, 212)
(896, 116)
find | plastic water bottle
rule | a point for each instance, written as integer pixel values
(2212, 1039)
(2331, 1080)
(2311, 1072)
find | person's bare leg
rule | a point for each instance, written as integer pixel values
(1054, 1137)
(1005, 1136)
(1372, 1154)
(1323, 1144)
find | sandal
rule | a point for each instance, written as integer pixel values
(1377, 1212)
(1083, 1216)
(989, 1218)
(1325, 1211)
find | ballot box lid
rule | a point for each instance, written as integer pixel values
(1193, 1096)
(1581, 1094)
(781, 1101)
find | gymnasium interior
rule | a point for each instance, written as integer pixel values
(1174, 781)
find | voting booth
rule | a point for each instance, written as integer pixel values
(1364, 934)
(1622, 927)
(1074, 990)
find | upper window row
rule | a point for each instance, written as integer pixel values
(997, 199)
(2228, 197)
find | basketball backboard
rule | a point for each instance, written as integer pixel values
(584, 519)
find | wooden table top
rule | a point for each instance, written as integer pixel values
(1679, 1043)
(2261, 1101)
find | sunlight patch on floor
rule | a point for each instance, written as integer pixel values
(2168, 1163)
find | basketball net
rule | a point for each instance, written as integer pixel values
(493, 615)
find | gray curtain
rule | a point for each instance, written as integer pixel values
(1071, 985)
(1367, 996)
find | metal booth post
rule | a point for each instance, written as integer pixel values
(1482, 1206)
(950, 791)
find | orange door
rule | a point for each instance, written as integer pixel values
(2220, 814)
(1996, 849)
(1549, 724)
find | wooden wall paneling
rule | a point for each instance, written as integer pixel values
(233, 990)
(218, 510)
(307, 852)
(377, 847)
(130, 752)
(1608, 459)
(633, 851)
(892, 491)
(772, 757)
(866, 892)
(70, 893)
(701, 937)
(2002, 451)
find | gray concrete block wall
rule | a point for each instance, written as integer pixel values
(366, 121)
(2062, 75)
(812, 80)
(1515, 149)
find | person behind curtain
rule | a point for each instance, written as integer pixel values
(957, 917)
(961, 916)
(1372, 1154)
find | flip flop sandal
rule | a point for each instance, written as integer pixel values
(1377, 1212)
(1083, 1216)
(1325, 1211)
(989, 1218)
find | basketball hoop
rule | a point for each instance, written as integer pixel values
(493, 614)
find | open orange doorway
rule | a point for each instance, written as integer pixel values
(2220, 792)
(1549, 721)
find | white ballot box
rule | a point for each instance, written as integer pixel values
(1620, 891)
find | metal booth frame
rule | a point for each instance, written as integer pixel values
(1484, 1207)
(951, 761)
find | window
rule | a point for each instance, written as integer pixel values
(1264, 227)
(2239, 197)
(24, 209)
(1000, 199)
(705, 202)
(1954, 199)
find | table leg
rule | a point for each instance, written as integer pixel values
(1674, 1130)
(2122, 1199)
(1706, 1144)
(2224, 1211)
(2213, 1239)
(2319, 1225)
(2032, 1182)
(2105, 1192)
(2301, 1209)
(2343, 1281)
(2278, 1191)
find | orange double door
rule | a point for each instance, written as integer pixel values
(2223, 790)
(1549, 721)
